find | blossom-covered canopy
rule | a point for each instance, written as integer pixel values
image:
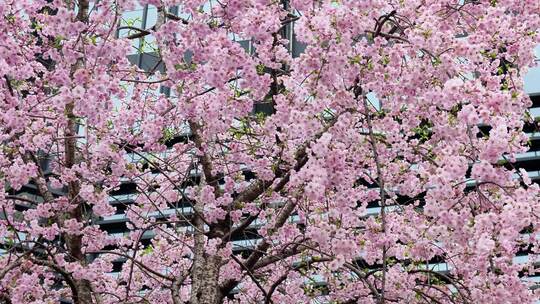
(381, 172)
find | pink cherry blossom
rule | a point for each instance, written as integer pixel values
(382, 170)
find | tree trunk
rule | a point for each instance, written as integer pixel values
(74, 242)
(205, 271)
(205, 287)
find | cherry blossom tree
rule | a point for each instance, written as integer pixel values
(381, 173)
